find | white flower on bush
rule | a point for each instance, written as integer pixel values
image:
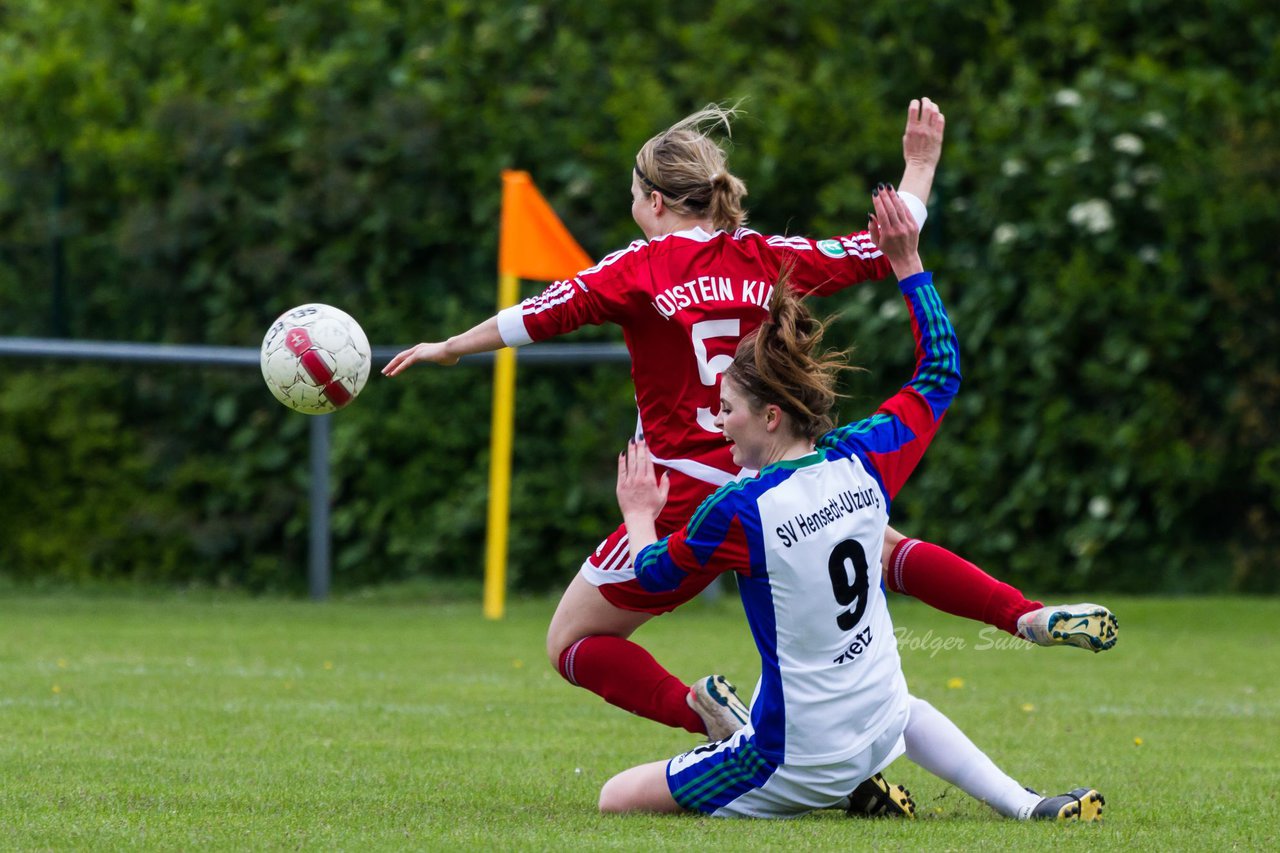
(1155, 120)
(1083, 154)
(1149, 255)
(1094, 216)
(1127, 143)
(1123, 190)
(1099, 506)
(1013, 167)
(1067, 98)
(891, 309)
(1006, 232)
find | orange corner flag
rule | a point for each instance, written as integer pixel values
(534, 243)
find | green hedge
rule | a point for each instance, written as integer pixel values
(1104, 228)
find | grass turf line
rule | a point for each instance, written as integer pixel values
(167, 723)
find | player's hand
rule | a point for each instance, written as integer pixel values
(922, 140)
(436, 353)
(895, 231)
(640, 492)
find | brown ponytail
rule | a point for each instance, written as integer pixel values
(780, 364)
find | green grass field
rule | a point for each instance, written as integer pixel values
(198, 722)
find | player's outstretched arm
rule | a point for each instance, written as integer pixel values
(906, 423)
(482, 338)
(921, 147)
(895, 231)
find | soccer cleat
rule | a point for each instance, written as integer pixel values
(877, 798)
(1089, 626)
(1082, 804)
(717, 703)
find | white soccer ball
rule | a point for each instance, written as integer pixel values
(315, 358)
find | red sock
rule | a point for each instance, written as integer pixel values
(625, 675)
(953, 585)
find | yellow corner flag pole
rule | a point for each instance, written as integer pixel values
(500, 442)
(533, 244)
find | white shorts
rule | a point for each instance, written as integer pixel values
(731, 779)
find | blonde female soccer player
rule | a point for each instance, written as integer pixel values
(803, 535)
(685, 295)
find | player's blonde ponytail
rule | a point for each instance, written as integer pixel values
(689, 169)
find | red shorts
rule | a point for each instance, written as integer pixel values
(610, 570)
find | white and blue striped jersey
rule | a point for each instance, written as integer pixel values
(805, 537)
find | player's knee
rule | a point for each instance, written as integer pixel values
(554, 651)
(891, 540)
(560, 649)
(622, 794)
(612, 800)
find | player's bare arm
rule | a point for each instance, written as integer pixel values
(921, 147)
(482, 338)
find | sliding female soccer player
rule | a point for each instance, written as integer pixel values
(832, 708)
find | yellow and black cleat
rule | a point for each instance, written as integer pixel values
(877, 798)
(1082, 804)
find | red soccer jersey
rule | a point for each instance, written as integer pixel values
(683, 301)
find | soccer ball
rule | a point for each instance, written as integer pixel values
(315, 358)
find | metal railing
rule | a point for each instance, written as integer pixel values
(319, 570)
